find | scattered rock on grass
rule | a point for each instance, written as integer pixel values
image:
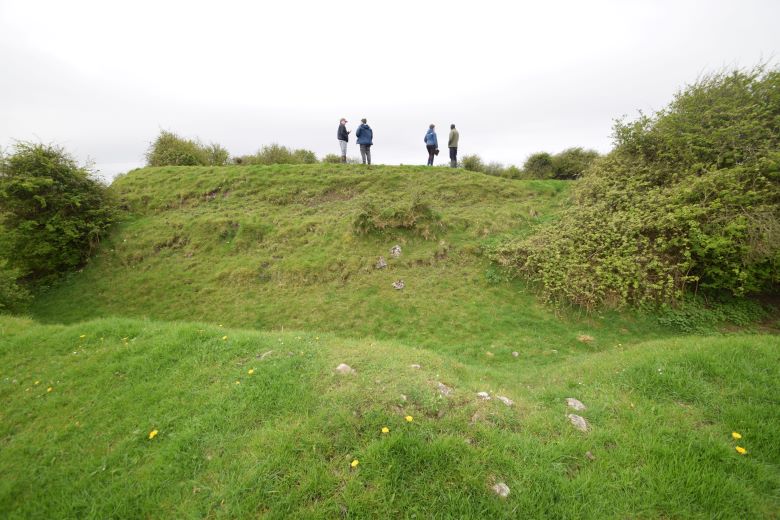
(515, 354)
(501, 490)
(507, 401)
(415, 366)
(584, 338)
(578, 422)
(343, 368)
(483, 395)
(381, 264)
(590, 456)
(575, 403)
(399, 284)
(395, 251)
(444, 390)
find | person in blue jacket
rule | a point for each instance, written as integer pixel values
(365, 138)
(431, 143)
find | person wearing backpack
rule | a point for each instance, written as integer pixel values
(365, 138)
(452, 144)
(431, 143)
(343, 136)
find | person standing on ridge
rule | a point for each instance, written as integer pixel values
(365, 138)
(431, 143)
(343, 137)
(453, 146)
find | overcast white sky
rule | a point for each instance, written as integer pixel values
(102, 78)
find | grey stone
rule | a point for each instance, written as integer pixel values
(381, 264)
(395, 251)
(575, 403)
(398, 285)
(501, 490)
(515, 354)
(507, 401)
(483, 395)
(415, 365)
(444, 390)
(343, 368)
(578, 422)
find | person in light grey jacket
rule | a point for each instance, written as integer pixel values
(453, 146)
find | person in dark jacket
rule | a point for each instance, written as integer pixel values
(452, 144)
(343, 137)
(431, 143)
(365, 138)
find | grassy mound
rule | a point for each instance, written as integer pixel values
(280, 441)
(295, 246)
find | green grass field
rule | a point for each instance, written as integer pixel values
(216, 272)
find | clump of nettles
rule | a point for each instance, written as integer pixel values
(690, 196)
(413, 213)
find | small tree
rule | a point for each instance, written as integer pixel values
(53, 212)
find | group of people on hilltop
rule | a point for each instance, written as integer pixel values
(365, 139)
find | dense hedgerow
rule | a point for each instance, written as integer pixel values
(52, 212)
(690, 196)
(568, 164)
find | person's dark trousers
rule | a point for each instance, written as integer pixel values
(431, 150)
(454, 157)
(365, 153)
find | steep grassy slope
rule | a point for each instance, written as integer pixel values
(275, 247)
(80, 401)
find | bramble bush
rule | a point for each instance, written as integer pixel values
(689, 196)
(53, 213)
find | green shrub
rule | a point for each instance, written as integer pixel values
(171, 150)
(572, 162)
(414, 213)
(332, 158)
(689, 195)
(53, 213)
(277, 154)
(473, 163)
(539, 166)
(13, 297)
(216, 155)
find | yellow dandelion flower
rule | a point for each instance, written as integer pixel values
(741, 450)
(238, 382)
(354, 463)
(736, 435)
(224, 338)
(152, 434)
(49, 389)
(83, 336)
(251, 371)
(317, 337)
(37, 382)
(409, 418)
(385, 429)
